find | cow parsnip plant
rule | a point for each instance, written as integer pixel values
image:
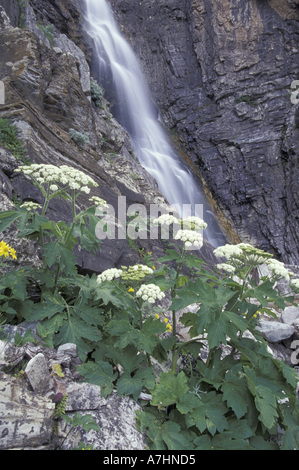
(238, 397)
(59, 309)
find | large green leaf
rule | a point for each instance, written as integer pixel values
(9, 217)
(235, 395)
(290, 439)
(55, 252)
(214, 372)
(144, 340)
(265, 293)
(16, 281)
(133, 384)
(49, 307)
(223, 441)
(75, 330)
(163, 434)
(100, 373)
(264, 399)
(129, 358)
(109, 293)
(210, 414)
(169, 389)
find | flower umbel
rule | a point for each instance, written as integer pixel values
(194, 223)
(190, 238)
(109, 275)
(59, 178)
(278, 270)
(166, 219)
(150, 293)
(244, 254)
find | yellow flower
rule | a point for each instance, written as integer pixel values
(157, 316)
(6, 250)
(13, 253)
(169, 327)
(131, 289)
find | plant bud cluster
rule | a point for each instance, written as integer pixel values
(135, 273)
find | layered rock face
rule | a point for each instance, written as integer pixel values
(221, 75)
(46, 76)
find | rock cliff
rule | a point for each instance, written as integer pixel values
(221, 75)
(47, 80)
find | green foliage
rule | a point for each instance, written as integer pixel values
(22, 6)
(60, 408)
(79, 138)
(9, 139)
(49, 32)
(247, 99)
(97, 93)
(238, 398)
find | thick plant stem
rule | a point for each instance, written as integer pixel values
(73, 203)
(174, 326)
(174, 359)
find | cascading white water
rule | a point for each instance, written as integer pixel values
(119, 67)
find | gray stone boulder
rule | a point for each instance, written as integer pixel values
(114, 415)
(290, 315)
(274, 331)
(25, 416)
(28, 404)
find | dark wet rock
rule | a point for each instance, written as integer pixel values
(221, 79)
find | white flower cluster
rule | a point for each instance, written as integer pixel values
(190, 238)
(166, 219)
(64, 175)
(109, 275)
(242, 252)
(228, 251)
(150, 293)
(295, 283)
(226, 267)
(194, 223)
(278, 270)
(245, 254)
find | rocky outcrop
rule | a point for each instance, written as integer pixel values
(47, 93)
(29, 417)
(221, 77)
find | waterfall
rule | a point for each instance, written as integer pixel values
(121, 75)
